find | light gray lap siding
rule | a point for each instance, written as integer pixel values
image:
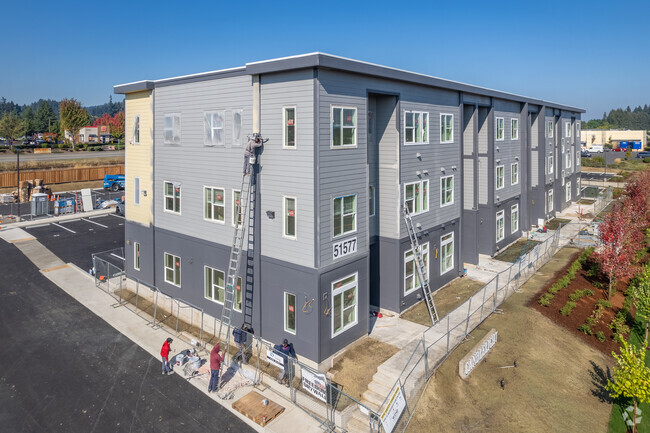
(507, 152)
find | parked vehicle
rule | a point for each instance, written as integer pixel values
(113, 182)
(618, 149)
(120, 209)
(596, 149)
(644, 154)
(585, 153)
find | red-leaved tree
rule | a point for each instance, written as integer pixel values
(116, 124)
(637, 198)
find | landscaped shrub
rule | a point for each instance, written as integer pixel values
(580, 294)
(568, 307)
(619, 325)
(600, 336)
(545, 299)
(585, 329)
(591, 321)
(604, 303)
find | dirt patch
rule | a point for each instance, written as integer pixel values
(554, 387)
(586, 201)
(446, 299)
(514, 251)
(354, 370)
(554, 224)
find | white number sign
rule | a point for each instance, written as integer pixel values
(344, 248)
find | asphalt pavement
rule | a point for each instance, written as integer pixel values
(11, 157)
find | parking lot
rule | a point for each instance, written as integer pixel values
(588, 175)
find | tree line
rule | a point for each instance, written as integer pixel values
(619, 118)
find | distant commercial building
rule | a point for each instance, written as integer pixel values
(92, 134)
(601, 137)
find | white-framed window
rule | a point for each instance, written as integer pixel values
(569, 159)
(172, 193)
(567, 129)
(289, 128)
(371, 200)
(549, 201)
(446, 253)
(289, 217)
(344, 126)
(136, 256)
(578, 161)
(416, 197)
(344, 304)
(562, 147)
(514, 128)
(499, 129)
(446, 190)
(345, 215)
(236, 208)
(514, 218)
(550, 164)
(446, 128)
(136, 190)
(549, 129)
(501, 218)
(514, 173)
(214, 123)
(136, 130)
(568, 191)
(237, 127)
(416, 127)
(411, 276)
(215, 285)
(172, 129)
(173, 269)
(500, 176)
(214, 204)
(238, 295)
(578, 186)
(290, 312)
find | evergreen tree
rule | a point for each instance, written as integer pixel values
(45, 117)
(29, 121)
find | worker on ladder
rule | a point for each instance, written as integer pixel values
(250, 153)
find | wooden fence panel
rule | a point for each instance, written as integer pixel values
(64, 175)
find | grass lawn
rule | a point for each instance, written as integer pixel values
(586, 201)
(522, 246)
(591, 191)
(554, 224)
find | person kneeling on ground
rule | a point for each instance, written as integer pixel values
(286, 350)
(164, 353)
(215, 366)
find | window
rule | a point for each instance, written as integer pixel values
(550, 164)
(446, 128)
(514, 173)
(236, 208)
(569, 159)
(567, 129)
(214, 204)
(136, 130)
(237, 304)
(446, 190)
(549, 129)
(172, 197)
(345, 215)
(549, 201)
(213, 122)
(514, 218)
(514, 125)
(411, 275)
(290, 312)
(172, 129)
(215, 285)
(578, 161)
(173, 269)
(578, 186)
(371, 200)
(136, 256)
(136, 190)
(236, 126)
(344, 300)
(500, 176)
(344, 126)
(416, 127)
(568, 191)
(416, 197)
(500, 225)
(446, 253)
(289, 131)
(499, 130)
(289, 217)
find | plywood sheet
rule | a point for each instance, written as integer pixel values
(251, 407)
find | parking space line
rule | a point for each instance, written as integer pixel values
(38, 226)
(116, 216)
(101, 225)
(70, 221)
(64, 228)
(96, 217)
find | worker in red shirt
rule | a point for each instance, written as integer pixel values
(164, 353)
(215, 367)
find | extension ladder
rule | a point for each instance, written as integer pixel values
(78, 204)
(419, 265)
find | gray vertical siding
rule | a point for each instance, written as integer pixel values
(388, 171)
(468, 184)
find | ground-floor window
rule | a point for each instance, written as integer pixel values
(501, 225)
(214, 284)
(514, 218)
(446, 253)
(344, 304)
(136, 256)
(290, 312)
(411, 276)
(568, 191)
(173, 269)
(549, 201)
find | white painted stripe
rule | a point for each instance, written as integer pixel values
(116, 216)
(38, 226)
(70, 221)
(101, 225)
(64, 228)
(115, 255)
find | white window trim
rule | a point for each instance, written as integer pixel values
(578, 161)
(550, 164)
(284, 217)
(424, 140)
(286, 304)
(549, 200)
(295, 126)
(496, 129)
(356, 215)
(442, 244)
(180, 126)
(567, 191)
(501, 215)
(496, 177)
(549, 131)
(453, 186)
(211, 142)
(356, 128)
(514, 208)
(214, 298)
(371, 199)
(241, 130)
(424, 248)
(136, 191)
(241, 293)
(180, 264)
(512, 137)
(356, 304)
(213, 220)
(136, 255)
(452, 128)
(513, 165)
(422, 202)
(233, 217)
(136, 121)
(567, 129)
(180, 198)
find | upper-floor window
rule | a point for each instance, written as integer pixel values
(237, 127)
(289, 130)
(172, 129)
(214, 204)
(136, 190)
(514, 126)
(344, 126)
(500, 173)
(289, 217)
(514, 173)
(345, 214)
(567, 129)
(550, 164)
(569, 159)
(500, 127)
(416, 127)
(172, 194)
(371, 200)
(578, 158)
(446, 253)
(416, 197)
(236, 208)
(514, 218)
(173, 269)
(136, 256)
(213, 122)
(568, 191)
(549, 128)
(136, 130)
(446, 190)
(501, 225)
(446, 128)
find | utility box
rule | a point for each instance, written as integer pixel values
(39, 204)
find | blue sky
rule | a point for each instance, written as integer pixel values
(592, 54)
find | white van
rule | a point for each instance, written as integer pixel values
(596, 149)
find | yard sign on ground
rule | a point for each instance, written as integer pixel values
(467, 364)
(394, 410)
